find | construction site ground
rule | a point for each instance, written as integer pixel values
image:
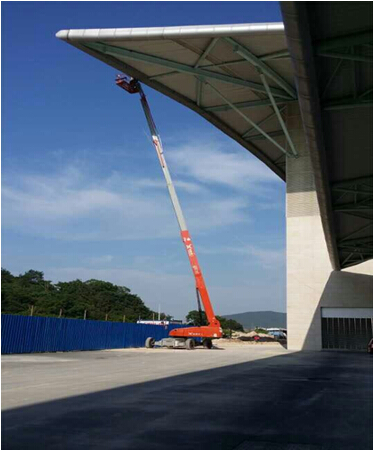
(237, 396)
(235, 342)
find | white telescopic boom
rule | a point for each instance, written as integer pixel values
(156, 139)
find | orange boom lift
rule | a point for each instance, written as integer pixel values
(179, 337)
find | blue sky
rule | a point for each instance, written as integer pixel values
(82, 192)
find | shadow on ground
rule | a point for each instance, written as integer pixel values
(291, 401)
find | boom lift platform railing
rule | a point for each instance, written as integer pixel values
(180, 337)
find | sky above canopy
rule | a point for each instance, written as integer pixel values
(83, 195)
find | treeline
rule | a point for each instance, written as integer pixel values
(30, 293)
(199, 319)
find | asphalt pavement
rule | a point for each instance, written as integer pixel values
(238, 397)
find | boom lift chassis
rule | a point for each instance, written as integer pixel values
(178, 337)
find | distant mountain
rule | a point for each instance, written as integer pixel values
(265, 319)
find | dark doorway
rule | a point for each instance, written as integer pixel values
(346, 333)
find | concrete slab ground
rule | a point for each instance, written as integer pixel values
(238, 397)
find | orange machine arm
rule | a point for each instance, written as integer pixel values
(213, 330)
(200, 284)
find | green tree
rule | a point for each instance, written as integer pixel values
(99, 298)
(227, 324)
(196, 318)
(230, 324)
(261, 330)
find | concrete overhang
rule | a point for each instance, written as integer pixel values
(330, 44)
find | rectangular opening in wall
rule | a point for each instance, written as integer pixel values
(346, 328)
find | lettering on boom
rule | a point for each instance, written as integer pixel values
(189, 249)
(158, 148)
(190, 252)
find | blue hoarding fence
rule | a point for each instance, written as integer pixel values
(24, 334)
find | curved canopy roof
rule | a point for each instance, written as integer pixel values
(229, 74)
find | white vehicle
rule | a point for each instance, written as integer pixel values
(159, 322)
(278, 333)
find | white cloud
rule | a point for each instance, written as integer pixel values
(160, 184)
(211, 163)
(74, 204)
(59, 202)
(270, 259)
(107, 209)
(100, 260)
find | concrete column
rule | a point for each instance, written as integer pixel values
(311, 283)
(308, 263)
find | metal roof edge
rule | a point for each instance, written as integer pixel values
(113, 34)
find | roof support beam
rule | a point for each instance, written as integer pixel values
(165, 74)
(343, 264)
(260, 137)
(250, 104)
(357, 213)
(351, 57)
(107, 49)
(357, 241)
(208, 66)
(354, 75)
(353, 191)
(261, 122)
(367, 181)
(199, 91)
(353, 263)
(248, 120)
(347, 103)
(360, 250)
(358, 186)
(359, 230)
(206, 52)
(364, 94)
(279, 160)
(332, 77)
(283, 54)
(353, 207)
(276, 55)
(224, 64)
(278, 114)
(365, 37)
(254, 60)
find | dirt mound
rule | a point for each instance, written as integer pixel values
(253, 336)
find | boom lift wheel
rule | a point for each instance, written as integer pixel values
(150, 342)
(207, 343)
(190, 344)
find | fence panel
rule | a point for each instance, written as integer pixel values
(24, 334)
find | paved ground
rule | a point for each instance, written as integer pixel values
(244, 397)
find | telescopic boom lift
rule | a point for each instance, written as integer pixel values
(179, 337)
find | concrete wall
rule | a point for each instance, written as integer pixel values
(311, 283)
